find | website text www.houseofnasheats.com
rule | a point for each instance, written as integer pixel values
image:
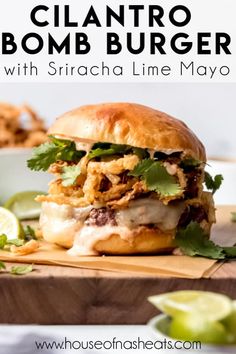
(115, 344)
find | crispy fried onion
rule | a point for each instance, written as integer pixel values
(106, 183)
(96, 171)
(20, 127)
(88, 189)
(206, 200)
(27, 248)
(137, 189)
(174, 169)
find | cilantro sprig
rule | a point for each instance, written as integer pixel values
(193, 241)
(29, 233)
(2, 265)
(211, 183)
(5, 242)
(106, 149)
(69, 175)
(156, 177)
(17, 270)
(21, 270)
(189, 164)
(52, 151)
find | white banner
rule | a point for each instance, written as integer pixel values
(129, 41)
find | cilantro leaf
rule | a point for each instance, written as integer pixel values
(189, 163)
(16, 242)
(70, 174)
(29, 233)
(100, 152)
(141, 168)
(159, 180)
(21, 270)
(156, 177)
(213, 183)
(106, 149)
(43, 156)
(193, 241)
(230, 252)
(141, 153)
(2, 265)
(3, 241)
(52, 151)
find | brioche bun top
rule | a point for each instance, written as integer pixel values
(129, 124)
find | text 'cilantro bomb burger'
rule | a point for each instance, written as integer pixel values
(127, 177)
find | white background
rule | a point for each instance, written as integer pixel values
(209, 109)
(207, 16)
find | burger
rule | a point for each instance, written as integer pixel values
(127, 178)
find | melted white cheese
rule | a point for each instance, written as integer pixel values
(59, 223)
(88, 236)
(150, 211)
(64, 225)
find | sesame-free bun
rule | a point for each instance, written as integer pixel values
(129, 124)
(145, 241)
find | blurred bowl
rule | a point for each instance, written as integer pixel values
(159, 326)
(15, 176)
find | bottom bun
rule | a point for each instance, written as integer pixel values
(146, 241)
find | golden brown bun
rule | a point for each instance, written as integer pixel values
(129, 124)
(147, 241)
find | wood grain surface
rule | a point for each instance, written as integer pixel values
(63, 295)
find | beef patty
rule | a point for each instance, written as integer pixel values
(101, 217)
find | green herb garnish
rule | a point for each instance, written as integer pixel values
(106, 149)
(3, 241)
(156, 177)
(189, 164)
(193, 241)
(69, 175)
(29, 233)
(211, 183)
(16, 242)
(52, 151)
(2, 265)
(21, 270)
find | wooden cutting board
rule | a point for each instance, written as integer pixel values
(62, 295)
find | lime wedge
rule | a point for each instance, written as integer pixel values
(10, 225)
(230, 323)
(24, 206)
(210, 306)
(195, 328)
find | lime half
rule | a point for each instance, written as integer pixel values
(210, 306)
(10, 225)
(24, 206)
